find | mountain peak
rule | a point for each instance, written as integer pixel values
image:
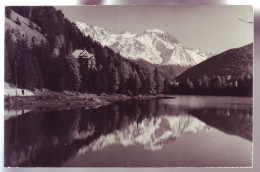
(126, 32)
(81, 24)
(156, 31)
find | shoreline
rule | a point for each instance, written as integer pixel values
(59, 101)
(67, 100)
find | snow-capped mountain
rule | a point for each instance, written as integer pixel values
(155, 46)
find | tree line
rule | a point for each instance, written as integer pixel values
(241, 85)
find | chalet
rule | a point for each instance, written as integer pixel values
(86, 57)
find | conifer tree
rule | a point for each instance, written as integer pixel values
(205, 81)
(149, 84)
(8, 12)
(189, 84)
(17, 21)
(134, 83)
(115, 80)
(31, 24)
(166, 86)
(72, 78)
(157, 81)
(9, 58)
(124, 73)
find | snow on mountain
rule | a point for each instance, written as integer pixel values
(152, 134)
(155, 46)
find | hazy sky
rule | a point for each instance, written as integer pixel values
(214, 28)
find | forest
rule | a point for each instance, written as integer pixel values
(40, 66)
(212, 85)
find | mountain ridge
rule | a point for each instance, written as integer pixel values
(153, 45)
(234, 62)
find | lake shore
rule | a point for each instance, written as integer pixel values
(60, 101)
(48, 100)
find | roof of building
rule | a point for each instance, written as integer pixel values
(82, 53)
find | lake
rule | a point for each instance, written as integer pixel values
(188, 131)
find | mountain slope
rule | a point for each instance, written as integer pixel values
(165, 71)
(154, 46)
(26, 30)
(234, 62)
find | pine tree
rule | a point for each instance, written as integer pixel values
(157, 81)
(124, 73)
(31, 24)
(134, 83)
(137, 84)
(166, 86)
(189, 83)
(149, 85)
(8, 12)
(115, 80)
(17, 21)
(72, 78)
(105, 81)
(97, 85)
(205, 81)
(9, 58)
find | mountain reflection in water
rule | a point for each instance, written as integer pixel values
(151, 133)
(51, 138)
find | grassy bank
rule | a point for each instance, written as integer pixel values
(60, 101)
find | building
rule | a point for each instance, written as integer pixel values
(85, 57)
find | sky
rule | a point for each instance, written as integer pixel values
(210, 28)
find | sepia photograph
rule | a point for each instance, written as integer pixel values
(128, 86)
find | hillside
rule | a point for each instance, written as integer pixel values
(235, 62)
(26, 30)
(165, 71)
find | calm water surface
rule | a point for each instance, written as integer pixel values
(195, 131)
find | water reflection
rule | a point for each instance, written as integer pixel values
(152, 133)
(232, 121)
(10, 113)
(51, 138)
